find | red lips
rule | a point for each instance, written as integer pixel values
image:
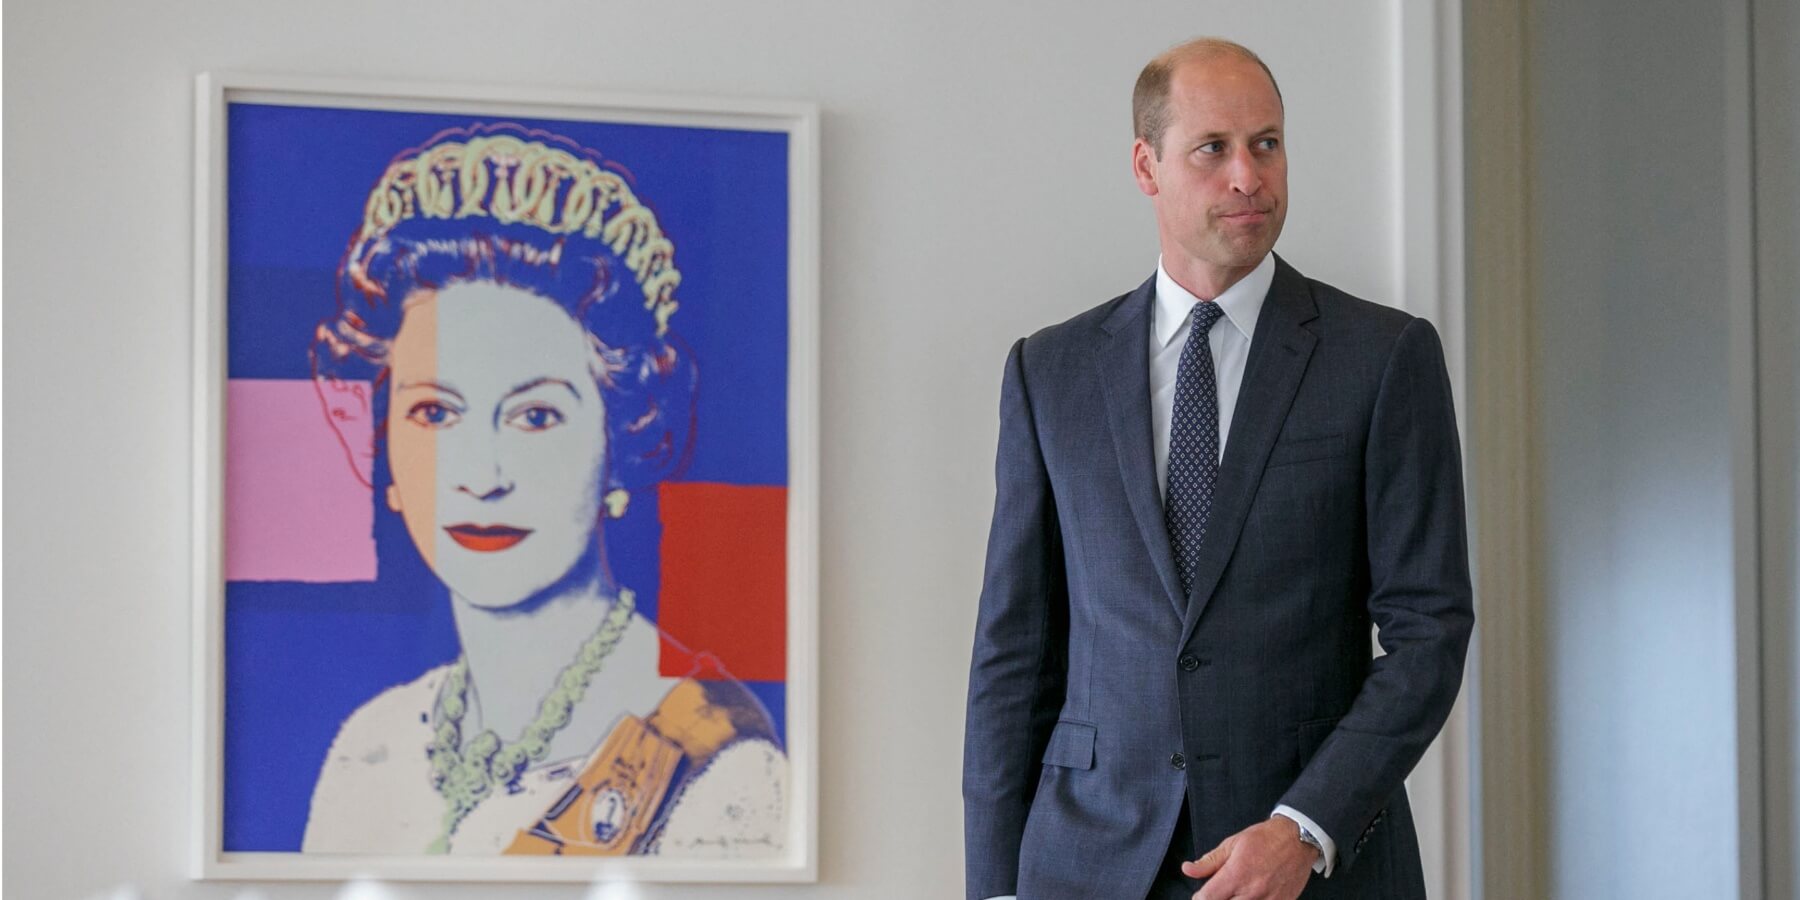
(486, 538)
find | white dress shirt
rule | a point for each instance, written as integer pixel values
(1171, 321)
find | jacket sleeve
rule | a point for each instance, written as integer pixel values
(1419, 598)
(1019, 666)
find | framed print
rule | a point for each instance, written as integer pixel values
(505, 484)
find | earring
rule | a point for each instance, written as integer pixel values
(393, 498)
(616, 500)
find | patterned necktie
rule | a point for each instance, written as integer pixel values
(1193, 445)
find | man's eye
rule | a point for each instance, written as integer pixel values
(1212, 147)
(535, 418)
(1270, 143)
(432, 414)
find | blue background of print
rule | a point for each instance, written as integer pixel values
(300, 657)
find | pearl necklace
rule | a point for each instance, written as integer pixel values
(464, 775)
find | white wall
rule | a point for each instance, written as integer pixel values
(975, 188)
(1641, 242)
(1777, 83)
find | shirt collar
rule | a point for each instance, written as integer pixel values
(1241, 303)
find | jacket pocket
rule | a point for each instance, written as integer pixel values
(1071, 745)
(1299, 450)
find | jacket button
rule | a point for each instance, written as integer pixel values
(1189, 662)
(1178, 761)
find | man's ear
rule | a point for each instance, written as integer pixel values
(1143, 166)
(349, 410)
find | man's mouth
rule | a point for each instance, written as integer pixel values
(486, 538)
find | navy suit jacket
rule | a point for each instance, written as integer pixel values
(1100, 696)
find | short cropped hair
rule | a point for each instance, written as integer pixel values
(1150, 98)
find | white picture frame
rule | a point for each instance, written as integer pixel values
(216, 95)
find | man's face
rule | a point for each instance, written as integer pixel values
(1219, 180)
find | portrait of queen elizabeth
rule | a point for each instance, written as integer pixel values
(507, 323)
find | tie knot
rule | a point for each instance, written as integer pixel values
(1206, 313)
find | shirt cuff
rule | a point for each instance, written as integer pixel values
(1327, 859)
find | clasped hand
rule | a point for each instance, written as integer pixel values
(1266, 861)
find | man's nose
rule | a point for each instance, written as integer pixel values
(1244, 177)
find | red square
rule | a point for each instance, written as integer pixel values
(724, 580)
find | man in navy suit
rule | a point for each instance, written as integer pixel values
(1208, 490)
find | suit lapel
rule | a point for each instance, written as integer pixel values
(1124, 360)
(1279, 352)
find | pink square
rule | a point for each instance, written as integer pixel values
(295, 509)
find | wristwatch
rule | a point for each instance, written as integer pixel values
(1310, 839)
